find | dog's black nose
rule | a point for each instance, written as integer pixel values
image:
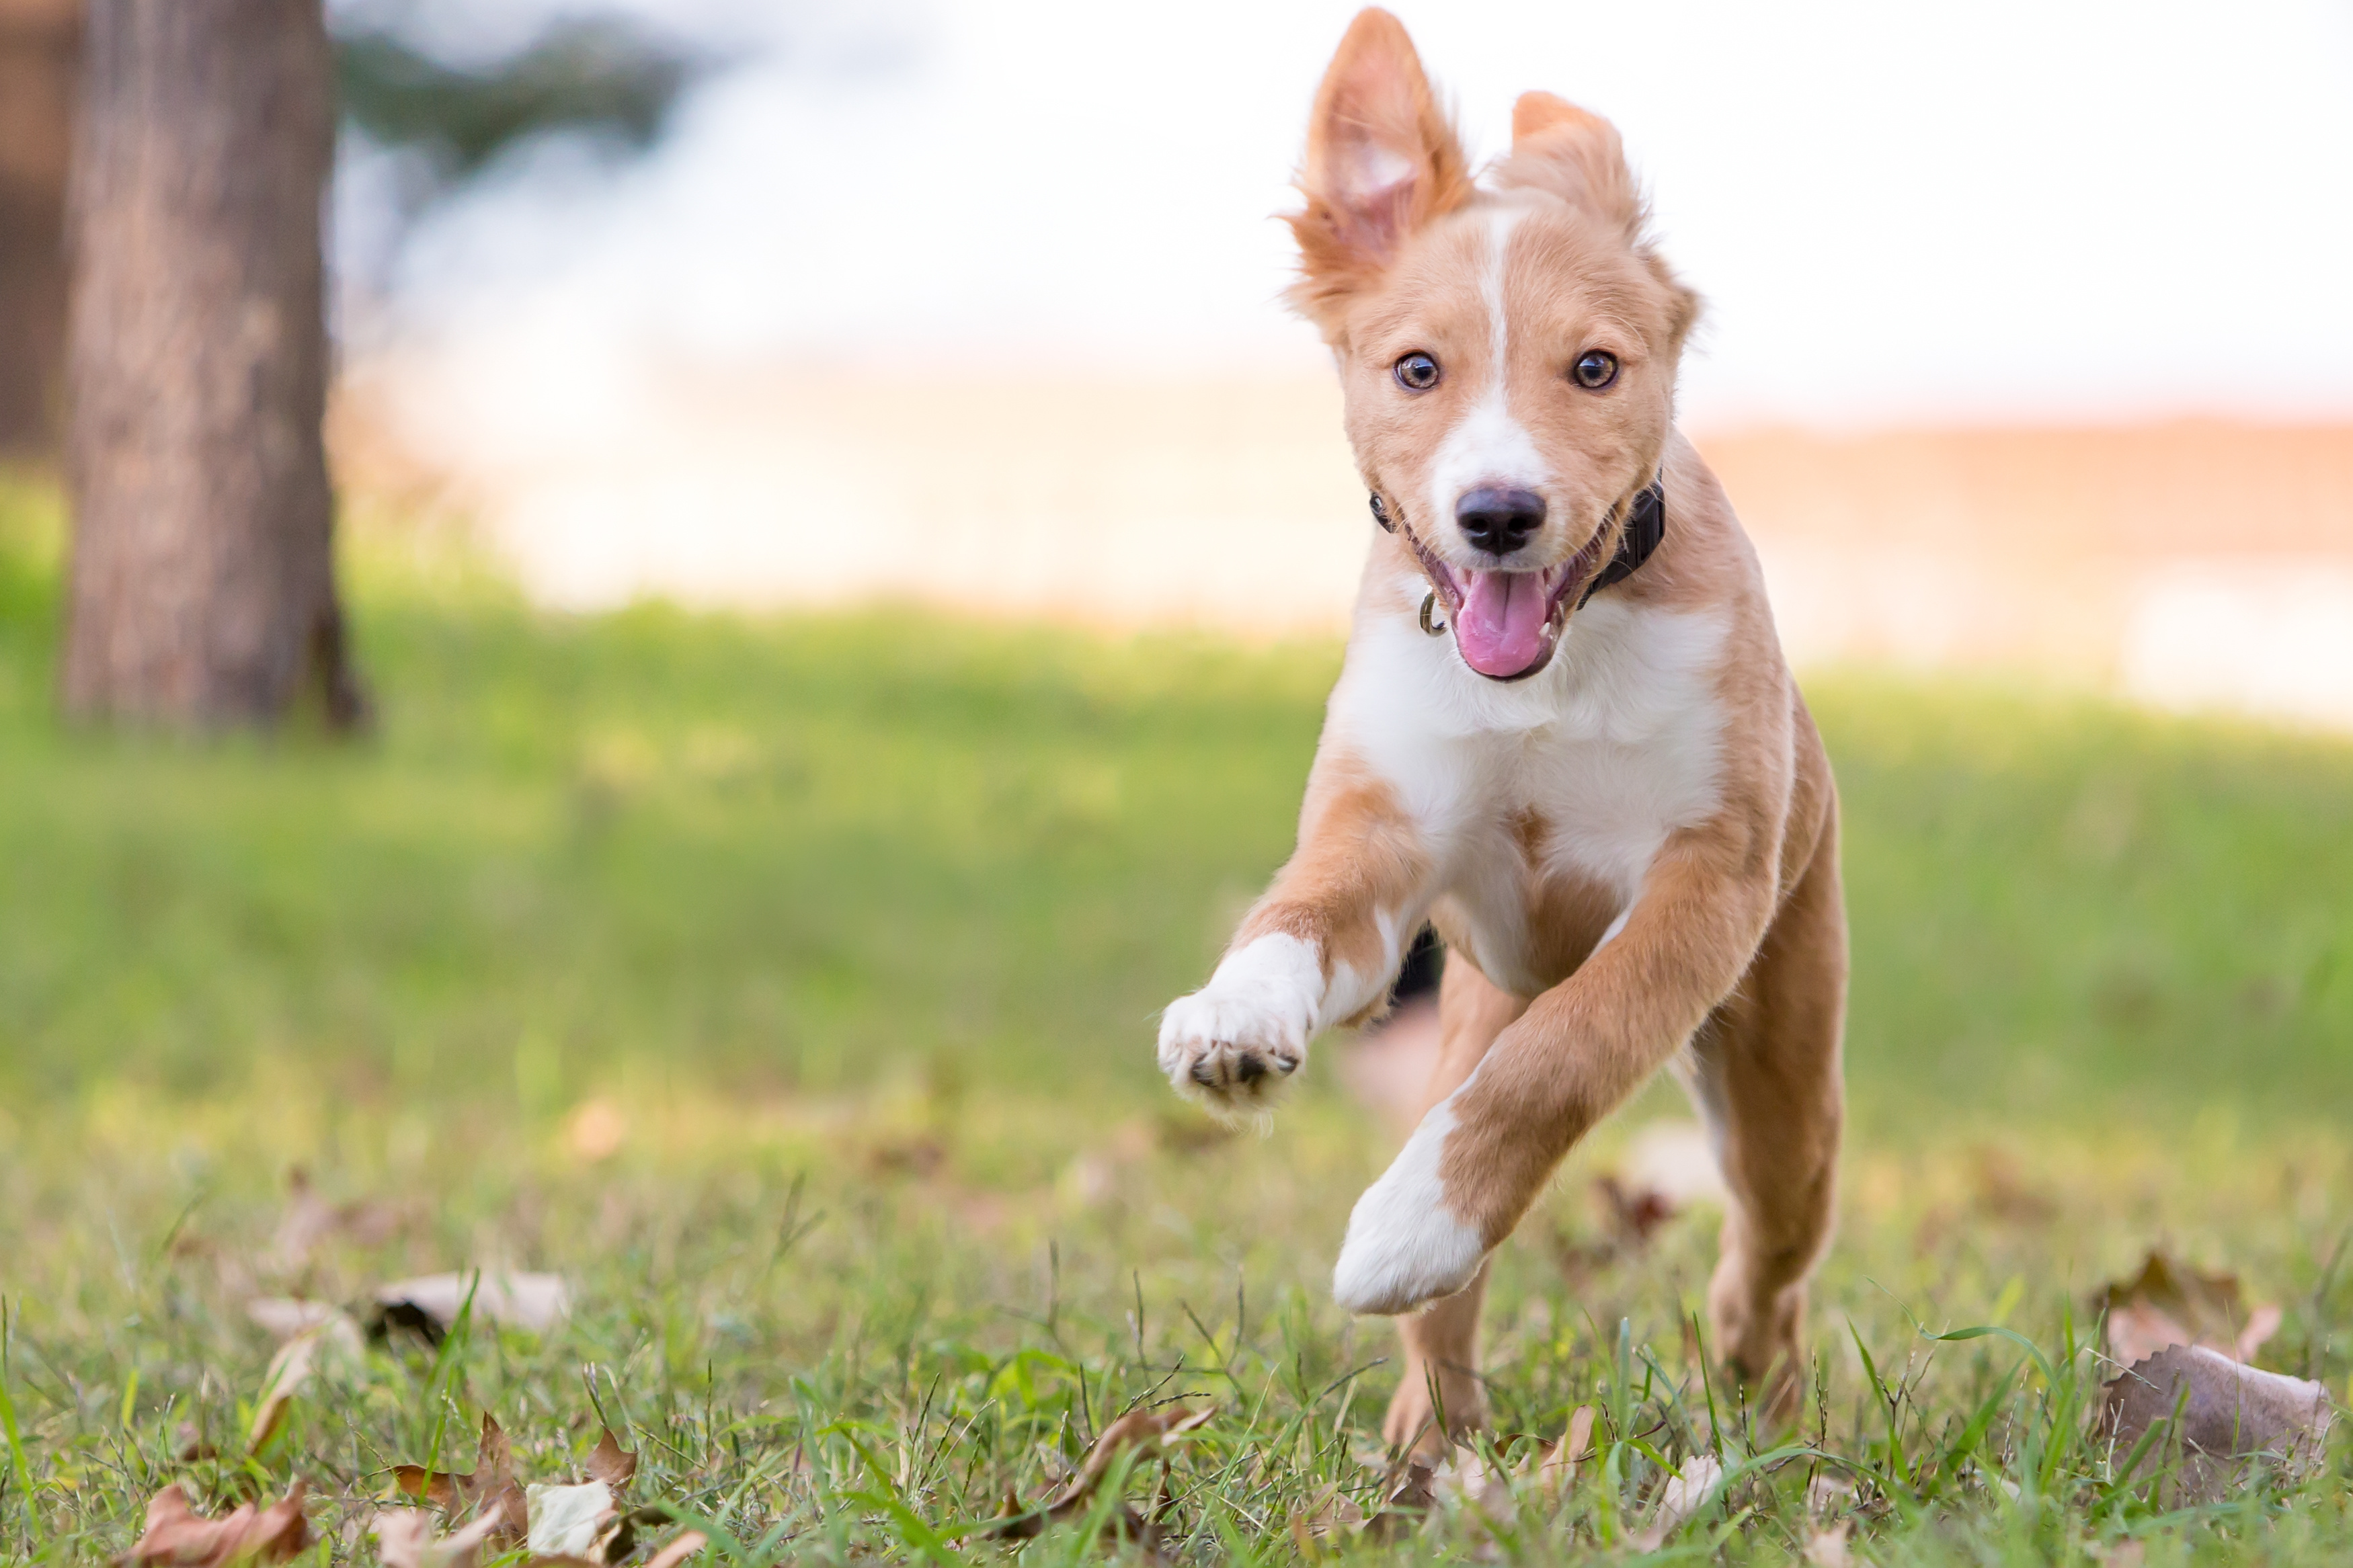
(1499, 521)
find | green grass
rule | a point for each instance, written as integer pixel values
(860, 922)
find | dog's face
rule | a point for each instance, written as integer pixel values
(1508, 356)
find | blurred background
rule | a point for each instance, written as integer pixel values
(639, 637)
(2028, 341)
(842, 548)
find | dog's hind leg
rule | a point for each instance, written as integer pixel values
(1765, 1075)
(1439, 1394)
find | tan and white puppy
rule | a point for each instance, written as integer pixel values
(1614, 808)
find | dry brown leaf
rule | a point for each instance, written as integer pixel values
(2230, 1414)
(2167, 1303)
(534, 1301)
(1557, 1466)
(292, 1368)
(283, 1316)
(491, 1484)
(611, 1463)
(178, 1535)
(406, 1539)
(1143, 1432)
(1407, 1499)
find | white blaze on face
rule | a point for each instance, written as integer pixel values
(1487, 446)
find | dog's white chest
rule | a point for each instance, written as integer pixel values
(1590, 765)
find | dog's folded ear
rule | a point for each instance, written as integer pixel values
(1574, 154)
(1382, 161)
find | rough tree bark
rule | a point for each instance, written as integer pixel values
(37, 78)
(202, 585)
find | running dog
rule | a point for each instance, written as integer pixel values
(1564, 735)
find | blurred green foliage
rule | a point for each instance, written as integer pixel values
(603, 76)
(803, 850)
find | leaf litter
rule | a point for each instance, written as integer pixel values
(178, 1535)
(1145, 1434)
(2169, 1303)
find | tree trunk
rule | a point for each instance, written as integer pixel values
(202, 587)
(37, 80)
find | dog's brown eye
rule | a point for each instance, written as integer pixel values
(1415, 372)
(1596, 370)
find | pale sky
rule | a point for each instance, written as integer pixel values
(1998, 211)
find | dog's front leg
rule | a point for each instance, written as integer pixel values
(1321, 948)
(1482, 1155)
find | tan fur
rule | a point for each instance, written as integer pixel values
(1358, 856)
(1730, 959)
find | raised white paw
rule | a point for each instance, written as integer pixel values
(1405, 1247)
(1235, 1043)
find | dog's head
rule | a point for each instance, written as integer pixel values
(1507, 351)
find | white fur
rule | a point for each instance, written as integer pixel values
(1487, 446)
(1265, 1000)
(1617, 743)
(1404, 1245)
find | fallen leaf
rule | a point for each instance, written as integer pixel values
(178, 1535)
(567, 1521)
(534, 1301)
(1144, 1432)
(491, 1483)
(2230, 1414)
(1407, 1498)
(290, 1371)
(283, 1316)
(1557, 1466)
(611, 1463)
(2169, 1304)
(1686, 1491)
(404, 1538)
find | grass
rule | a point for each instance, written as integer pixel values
(850, 929)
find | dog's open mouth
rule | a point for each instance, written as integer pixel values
(1506, 624)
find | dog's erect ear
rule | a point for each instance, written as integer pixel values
(1574, 154)
(1381, 161)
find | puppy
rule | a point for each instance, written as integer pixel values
(1564, 735)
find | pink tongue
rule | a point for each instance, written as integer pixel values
(1500, 626)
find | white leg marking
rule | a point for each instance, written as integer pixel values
(1234, 1042)
(1404, 1247)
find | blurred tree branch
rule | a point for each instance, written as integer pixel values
(604, 76)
